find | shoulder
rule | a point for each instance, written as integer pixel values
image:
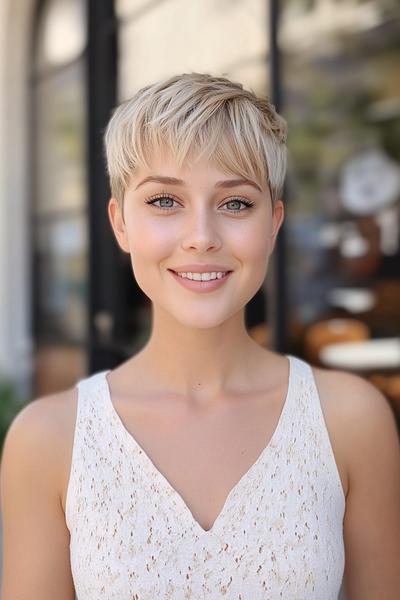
(364, 424)
(358, 416)
(356, 400)
(40, 434)
(35, 536)
(44, 415)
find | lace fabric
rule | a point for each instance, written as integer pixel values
(279, 534)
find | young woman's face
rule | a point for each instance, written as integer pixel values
(196, 215)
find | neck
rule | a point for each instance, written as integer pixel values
(200, 363)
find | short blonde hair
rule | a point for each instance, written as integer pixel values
(197, 114)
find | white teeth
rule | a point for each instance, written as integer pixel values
(203, 276)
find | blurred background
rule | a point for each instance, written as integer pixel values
(69, 304)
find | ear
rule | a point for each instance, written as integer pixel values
(117, 223)
(278, 216)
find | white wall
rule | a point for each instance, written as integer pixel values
(15, 297)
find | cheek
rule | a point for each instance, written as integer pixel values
(254, 253)
(253, 243)
(150, 242)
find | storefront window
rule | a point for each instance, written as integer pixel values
(60, 141)
(60, 197)
(340, 65)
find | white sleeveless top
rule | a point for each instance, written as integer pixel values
(279, 534)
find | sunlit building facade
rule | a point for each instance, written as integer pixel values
(69, 303)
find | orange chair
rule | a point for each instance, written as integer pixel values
(330, 331)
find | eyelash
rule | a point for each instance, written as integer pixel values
(249, 204)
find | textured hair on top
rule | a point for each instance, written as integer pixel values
(194, 115)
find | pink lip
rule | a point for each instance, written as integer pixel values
(200, 286)
(201, 268)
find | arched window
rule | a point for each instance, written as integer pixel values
(59, 195)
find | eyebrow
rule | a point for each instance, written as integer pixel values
(225, 183)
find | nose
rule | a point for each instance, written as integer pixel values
(200, 231)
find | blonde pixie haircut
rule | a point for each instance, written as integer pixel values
(194, 115)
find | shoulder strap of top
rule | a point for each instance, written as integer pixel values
(89, 390)
(90, 432)
(302, 368)
(306, 381)
(90, 404)
(312, 403)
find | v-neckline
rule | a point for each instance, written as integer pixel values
(242, 480)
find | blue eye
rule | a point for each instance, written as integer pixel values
(162, 197)
(247, 203)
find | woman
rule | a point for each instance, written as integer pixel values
(204, 466)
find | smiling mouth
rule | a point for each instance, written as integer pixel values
(199, 280)
(201, 286)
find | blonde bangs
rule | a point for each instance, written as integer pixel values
(195, 116)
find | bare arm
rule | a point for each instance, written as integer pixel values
(36, 564)
(372, 518)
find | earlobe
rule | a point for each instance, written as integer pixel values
(117, 224)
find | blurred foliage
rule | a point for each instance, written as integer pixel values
(329, 103)
(10, 406)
